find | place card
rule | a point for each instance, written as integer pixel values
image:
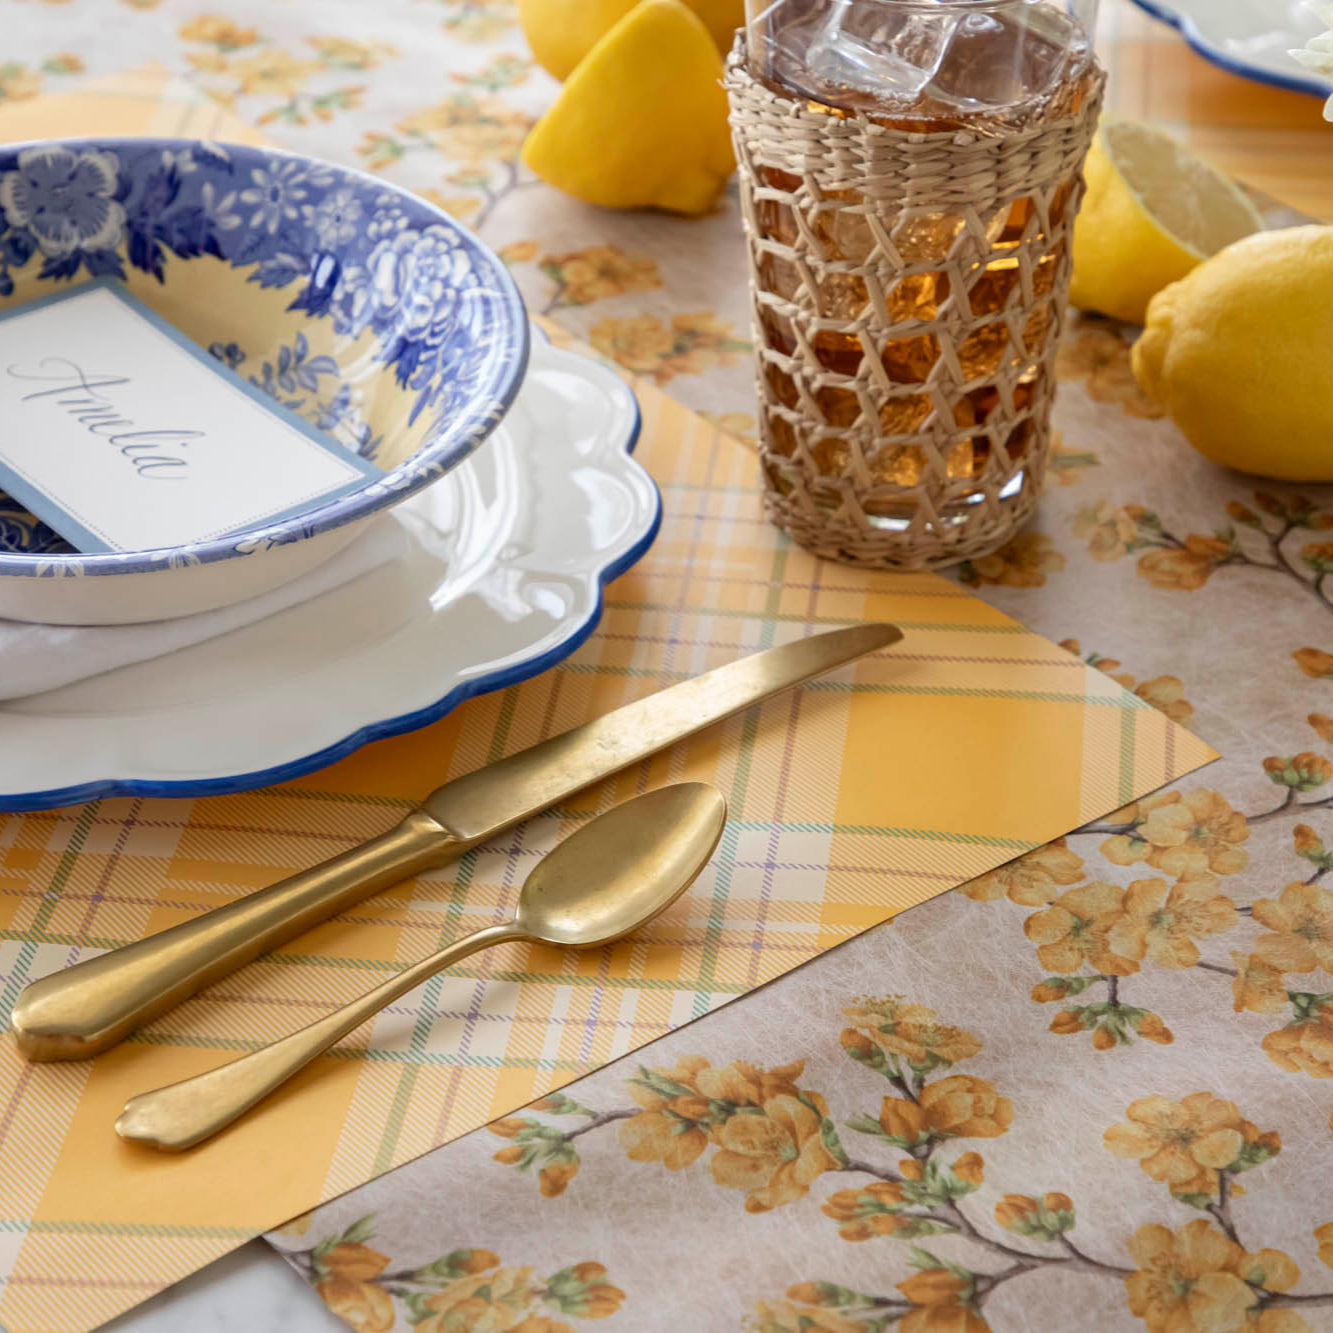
(123, 435)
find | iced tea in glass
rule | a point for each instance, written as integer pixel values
(988, 67)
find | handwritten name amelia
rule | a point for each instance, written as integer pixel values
(152, 453)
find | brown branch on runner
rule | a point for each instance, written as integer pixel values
(1221, 1209)
(600, 1119)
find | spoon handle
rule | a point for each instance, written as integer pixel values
(183, 1114)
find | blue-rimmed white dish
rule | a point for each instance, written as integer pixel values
(1252, 38)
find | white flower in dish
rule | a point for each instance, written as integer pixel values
(64, 198)
(181, 159)
(220, 209)
(1317, 53)
(387, 220)
(334, 219)
(352, 306)
(64, 568)
(276, 195)
(413, 275)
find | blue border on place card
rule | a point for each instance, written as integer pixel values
(45, 508)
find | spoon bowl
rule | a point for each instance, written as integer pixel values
(611, 877)
(623, 868)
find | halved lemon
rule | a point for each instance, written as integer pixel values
(1153, 213)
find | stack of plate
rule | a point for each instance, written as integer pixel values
(387, 324)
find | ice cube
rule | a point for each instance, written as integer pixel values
(1006, 56)
(932, 58)
(874, 49)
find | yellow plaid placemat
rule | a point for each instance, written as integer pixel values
(852, 799)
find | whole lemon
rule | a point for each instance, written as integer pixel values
(562, 32)
(1240, 353)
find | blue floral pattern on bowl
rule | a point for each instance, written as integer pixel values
(21, 531)
(444, 315)
(298, 380)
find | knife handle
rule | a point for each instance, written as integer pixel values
(86, 1009)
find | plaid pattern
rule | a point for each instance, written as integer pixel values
(851, 799)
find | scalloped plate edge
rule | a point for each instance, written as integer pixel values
(104, 788)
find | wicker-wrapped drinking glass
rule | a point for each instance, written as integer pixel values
(909, 291)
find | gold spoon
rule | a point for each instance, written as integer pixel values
(611, 877)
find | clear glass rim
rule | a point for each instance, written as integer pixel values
(934, 6)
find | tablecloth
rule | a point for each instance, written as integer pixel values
(1087, 1089)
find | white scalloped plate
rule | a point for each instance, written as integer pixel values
(1248, 37)
(503, 578)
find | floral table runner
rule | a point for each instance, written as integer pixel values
(1094, 1079)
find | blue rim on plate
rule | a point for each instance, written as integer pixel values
(1210, 51)
(443, 310)
(394, 726)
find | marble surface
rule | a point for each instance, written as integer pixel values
(250, 1290)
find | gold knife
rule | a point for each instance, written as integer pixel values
(88, 1008)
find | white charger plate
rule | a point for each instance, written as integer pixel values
(502, 579)
(1248, 37)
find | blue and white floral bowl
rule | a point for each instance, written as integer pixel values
(359, 306)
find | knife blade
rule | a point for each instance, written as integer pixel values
(477, 806)
(88, 1008)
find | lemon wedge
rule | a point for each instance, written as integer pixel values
(721, 18)
(562, 32)
(642, 121)
(1153, 212)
